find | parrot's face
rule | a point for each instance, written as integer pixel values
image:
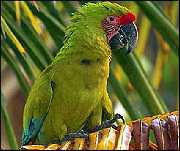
(121, 31)
(110, 19)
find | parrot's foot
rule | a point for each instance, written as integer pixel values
(78, 134)
(109, 123)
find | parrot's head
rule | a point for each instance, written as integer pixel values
(114, 21)
(121, 31)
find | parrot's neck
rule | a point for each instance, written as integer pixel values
(83, 39)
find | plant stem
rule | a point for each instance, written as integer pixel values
(8, 126)
(122, 96)
(139, 80)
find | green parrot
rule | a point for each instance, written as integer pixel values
(72, 90)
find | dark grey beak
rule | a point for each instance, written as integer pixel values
(126, 37)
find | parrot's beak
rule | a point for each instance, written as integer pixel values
(126, 37)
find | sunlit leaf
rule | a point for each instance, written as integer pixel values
(18, 14)
(34, 21)
(11, 35)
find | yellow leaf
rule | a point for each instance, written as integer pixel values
(11, 35)
(17, 12)
(34, 21)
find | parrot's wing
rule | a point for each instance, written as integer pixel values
(37, 106)
(107, 110)
(107, 104)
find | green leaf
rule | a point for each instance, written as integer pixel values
(33, 36)
(8, 125)
(122, 96)
(58, 14)
(26, 42)
(161, 23)
(140, 81)
(21, 59)
(14, 65)
(52, 24)
(11, 35)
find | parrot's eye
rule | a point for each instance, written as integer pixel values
(111, 18)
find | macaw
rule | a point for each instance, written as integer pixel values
(72, 90)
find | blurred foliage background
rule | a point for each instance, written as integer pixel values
(32, 33)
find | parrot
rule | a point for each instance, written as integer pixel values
(71, 92)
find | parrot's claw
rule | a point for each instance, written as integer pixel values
(78, 134)
(109, 123)
(118, 116)
(114, 126)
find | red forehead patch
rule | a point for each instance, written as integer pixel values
(126, 19)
